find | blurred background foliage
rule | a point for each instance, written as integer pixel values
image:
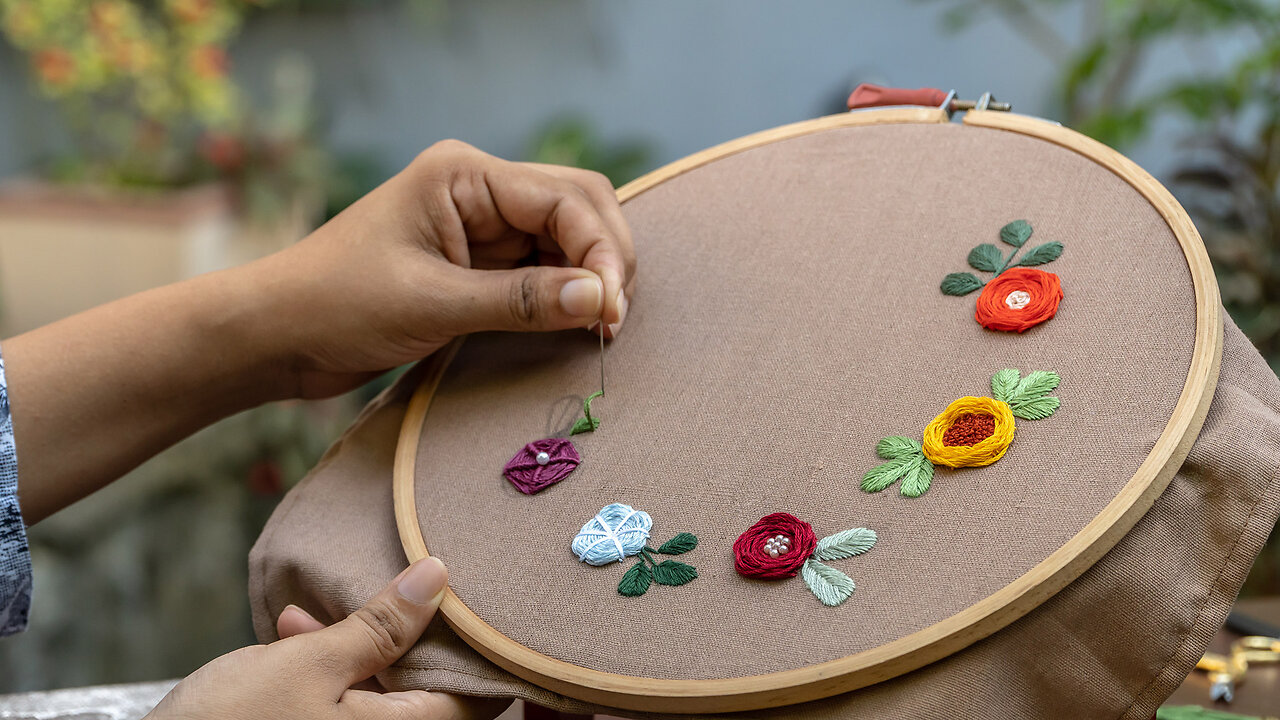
(147, 580)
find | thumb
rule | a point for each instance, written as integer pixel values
(376, 635)
(539, 298)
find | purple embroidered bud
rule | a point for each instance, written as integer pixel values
(541, 464)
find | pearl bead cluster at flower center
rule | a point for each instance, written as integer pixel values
(1018, 299)
(777, 545)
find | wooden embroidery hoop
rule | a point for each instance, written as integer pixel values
(933, 642)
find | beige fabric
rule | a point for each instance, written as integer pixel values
(738, 389)
(788, 318)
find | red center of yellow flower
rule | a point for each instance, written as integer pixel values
(969, 429)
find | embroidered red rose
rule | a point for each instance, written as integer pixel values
(1017, 299)
(541, 464)
(775, 547)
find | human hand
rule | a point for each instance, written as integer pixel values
(431, 254)
(319, 673)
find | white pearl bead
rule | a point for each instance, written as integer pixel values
(773, 553)
(543, 458)
(780, 538)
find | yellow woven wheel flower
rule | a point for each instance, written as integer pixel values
(985, 452)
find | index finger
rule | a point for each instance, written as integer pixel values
(540, 203)
(602, 194)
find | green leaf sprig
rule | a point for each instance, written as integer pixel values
(989, 258)
(588, 423)
(647, 570)
(828, 584)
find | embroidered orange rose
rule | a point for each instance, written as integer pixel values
(1018, 296)
(1017, 299)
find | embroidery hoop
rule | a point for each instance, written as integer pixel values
(935, 641)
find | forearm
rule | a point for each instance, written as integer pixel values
(98, 393)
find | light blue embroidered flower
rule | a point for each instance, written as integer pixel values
(617, 531)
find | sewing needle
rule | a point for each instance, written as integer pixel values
(602, 355)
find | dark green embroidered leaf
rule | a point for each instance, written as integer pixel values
(680, 544)
(987, 257)
(845, 544)
(1004, 383)
(635, 582)
(1036, 408)
(1016, 233)
(918, 477)
(827, 584)
(673, 572)
(1034, 385)
(961, 283)
(1041, 254)
(896, 446)
(886, 474)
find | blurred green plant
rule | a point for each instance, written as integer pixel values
(1226, 112)
(571, 141)
(145, 88)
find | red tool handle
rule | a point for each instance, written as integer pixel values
(867, 95)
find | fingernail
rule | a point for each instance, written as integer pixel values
(622, 314)
(423, 581)
(581, 297)
(295, 608)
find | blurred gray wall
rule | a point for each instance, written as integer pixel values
(682, 74)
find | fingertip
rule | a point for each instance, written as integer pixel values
(424, 582)
(582, 296)
(612, 280)
(623, 306)
(294, 620)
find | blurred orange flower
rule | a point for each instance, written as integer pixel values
(209, 61)
(55, 66)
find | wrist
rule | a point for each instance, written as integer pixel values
(238, 315)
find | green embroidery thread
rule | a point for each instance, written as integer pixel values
(588, 423)
(828, 584)
(636, 580)
(912, 462)
(989, 258)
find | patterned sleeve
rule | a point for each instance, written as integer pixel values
(15, 557)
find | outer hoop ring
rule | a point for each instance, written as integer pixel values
(932, 643)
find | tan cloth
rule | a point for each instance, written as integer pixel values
(1114, 643)
(741, 387)
(788, 317)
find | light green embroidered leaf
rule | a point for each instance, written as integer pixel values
(1016, 233)
(845, 544)
(918, 478)
(680, 544)
(986, 257)
(1042, 254)
(828, 584)
(961, 283)
(1036, 408)
(588, 423)
(673, 572)
(635, 582)
(1034, 385)
(897, 446)
(886, 474)
(1003, 384)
